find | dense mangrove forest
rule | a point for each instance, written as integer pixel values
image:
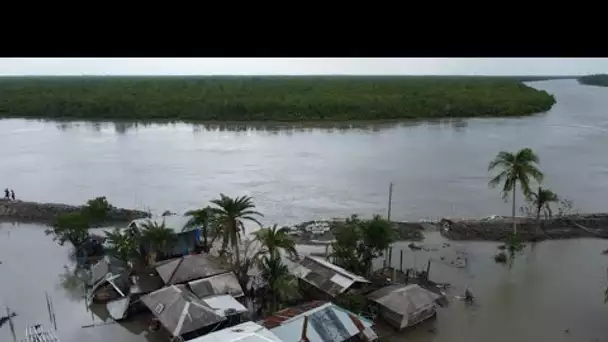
(600, 80)
(268, 98)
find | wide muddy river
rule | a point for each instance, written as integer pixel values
(554, 291)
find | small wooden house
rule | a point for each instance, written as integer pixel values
(403, 306)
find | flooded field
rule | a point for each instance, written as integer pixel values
(553, 292)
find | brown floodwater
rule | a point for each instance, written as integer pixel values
(305, 172)
(552, 287)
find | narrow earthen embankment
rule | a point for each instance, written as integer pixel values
(566, 227)
(46, 213)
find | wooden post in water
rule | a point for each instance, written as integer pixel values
(428, 270)
(401, 260)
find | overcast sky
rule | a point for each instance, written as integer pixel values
(300, 66)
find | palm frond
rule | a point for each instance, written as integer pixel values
(498, 178)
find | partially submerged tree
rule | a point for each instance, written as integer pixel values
(72, 227)
(359, 242)
(520, 167)
(158, 238)
(231, 214)
(273, 240)
(203, 218)
(123, 244)
(282, 285)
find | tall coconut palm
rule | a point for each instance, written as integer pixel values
(203, 218)
(231, 213)
(273, 240)
(542, 201)
(158, 237)
(519, 167)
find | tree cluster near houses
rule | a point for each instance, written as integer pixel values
(358, 242)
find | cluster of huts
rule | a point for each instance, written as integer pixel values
(195, 298)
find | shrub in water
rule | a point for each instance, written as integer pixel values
(500, 257)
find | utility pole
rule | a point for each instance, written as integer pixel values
(388, 217)
(390, 200)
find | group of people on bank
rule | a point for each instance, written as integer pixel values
(9, 194)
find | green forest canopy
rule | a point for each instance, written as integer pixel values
(269, 98)
(595, 80)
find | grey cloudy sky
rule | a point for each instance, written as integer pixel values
(299, 66)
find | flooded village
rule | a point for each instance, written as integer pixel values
(466, 248)
(178, 278)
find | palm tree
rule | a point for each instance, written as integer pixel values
(158, 237)
(273, 240)
(231, 213)
(282, 285)
(203, 218)
(542, 201)
(514, 168)
(123, 244)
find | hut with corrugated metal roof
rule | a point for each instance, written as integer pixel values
(188, 268)
(244, 332)
(184, 315)
(403, 306)
(219, 284)
(324, 280)
(319, 321)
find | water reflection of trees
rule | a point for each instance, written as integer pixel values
(72, 281)
(270, 128)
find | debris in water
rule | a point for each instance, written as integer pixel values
(6, 318)
(500, 257)
(414, 247)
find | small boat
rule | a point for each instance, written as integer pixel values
(37, 333)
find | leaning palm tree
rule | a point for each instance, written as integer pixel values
(202, 218)
(542, 201)
(158, 237)
(515, 168)
(273, 240)
(231, 213)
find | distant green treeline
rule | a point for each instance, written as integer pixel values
(269, 98)
(594, 80)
